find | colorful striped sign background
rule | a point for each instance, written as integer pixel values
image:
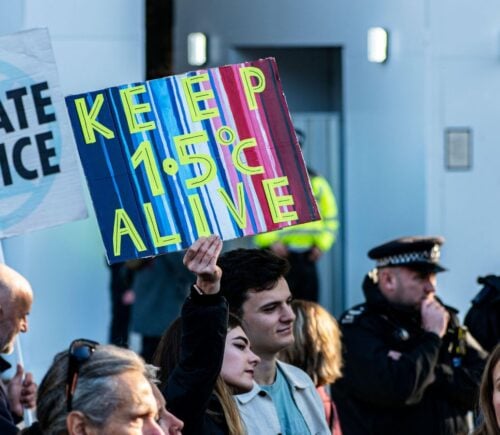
(207, 152)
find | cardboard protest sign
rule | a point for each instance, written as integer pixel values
(40, 183)
(207, 152)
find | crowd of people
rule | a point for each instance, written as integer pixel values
(244, 357)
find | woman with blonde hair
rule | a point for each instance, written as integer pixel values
(317, 351)
(489, 395)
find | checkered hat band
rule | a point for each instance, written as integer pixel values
(409, 257)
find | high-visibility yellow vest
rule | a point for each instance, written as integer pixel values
(321, 234)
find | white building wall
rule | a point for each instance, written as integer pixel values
(443, 71)
(465, 69)
(96, 44)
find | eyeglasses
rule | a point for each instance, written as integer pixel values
(79, 351)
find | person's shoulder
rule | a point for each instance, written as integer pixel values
(318, 180)
(355, 315)
(452, 311)
(295, 374)
(34, 429)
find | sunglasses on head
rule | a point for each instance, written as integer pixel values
(79, 351)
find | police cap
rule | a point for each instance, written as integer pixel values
(415, 252)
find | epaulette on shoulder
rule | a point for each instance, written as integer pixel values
(353, 315)
(451, 310)
(490, 291)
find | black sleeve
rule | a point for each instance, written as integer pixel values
(374, 377)
(7, 426)
(458, 378)
(191, 383)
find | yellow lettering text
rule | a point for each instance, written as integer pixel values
(88, 120)
(238, 162)
(238, 214)
(275, 202)
(182, 142)
(133, 109)
(158, 240)
(246, 74)
(123, 226)
(200, 219)
(195, 97)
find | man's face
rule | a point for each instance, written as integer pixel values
(138, 412)
(14, 317)
(268, 319)
(169, 423)
(409, 288)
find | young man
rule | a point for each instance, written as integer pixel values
(284, 399)
(409, 367)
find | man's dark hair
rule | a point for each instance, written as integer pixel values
(249, 269)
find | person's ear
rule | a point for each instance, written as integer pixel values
(76, 423)
(386, 280)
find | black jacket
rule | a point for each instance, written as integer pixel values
(483, 318)
(189, 391)
(428, 390)
(7, 423)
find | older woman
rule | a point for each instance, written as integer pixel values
(98, 389)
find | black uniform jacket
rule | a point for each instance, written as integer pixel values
(7, 422)
(483, 318)
(189, 391)
(400, 379)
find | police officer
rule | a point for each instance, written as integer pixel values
(410, 368)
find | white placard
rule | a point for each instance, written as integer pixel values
(40, 183)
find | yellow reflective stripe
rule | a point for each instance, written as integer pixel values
(266, 239)
(320, 233)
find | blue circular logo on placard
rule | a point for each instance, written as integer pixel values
(21, 198)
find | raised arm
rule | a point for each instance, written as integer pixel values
(201, 259)
(204, 328)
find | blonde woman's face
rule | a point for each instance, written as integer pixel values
(496, 392)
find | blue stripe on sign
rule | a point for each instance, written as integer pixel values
(125, 144)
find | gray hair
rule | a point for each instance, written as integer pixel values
(96, 395)
(11, 282)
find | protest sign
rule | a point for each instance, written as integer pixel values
(208, 152)
(40, 183)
